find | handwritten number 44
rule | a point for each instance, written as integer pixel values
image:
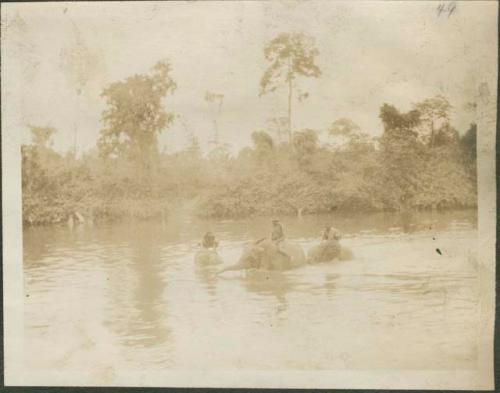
(446, 8)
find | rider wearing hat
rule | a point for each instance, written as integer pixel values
(209, 241)
(278, 235)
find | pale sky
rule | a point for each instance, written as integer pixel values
(370, 53)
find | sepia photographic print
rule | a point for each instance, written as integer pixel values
(262, 194)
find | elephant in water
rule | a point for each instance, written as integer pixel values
(327, 251)
(207, 257)
(265, 254)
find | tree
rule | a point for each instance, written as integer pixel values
(343, 127)
(263, 145)
(305, 144)
(36, 157)
(42, 136)
(262, 141)
(304, 193)
(400, 154)
(217, 99)
(278, 127)
(446, 135)
(219, 154)
(291, 55)
(48, 180)
(135, 115)
(468, 143)
(434, 113)
(395, 121)
(348, 133)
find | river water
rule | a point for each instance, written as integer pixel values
(129, 296)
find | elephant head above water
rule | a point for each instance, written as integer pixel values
(327, 251)
(267, 255)
(206, 257)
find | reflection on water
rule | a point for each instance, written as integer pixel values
(130, 296)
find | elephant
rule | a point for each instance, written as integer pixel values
(328, 250)
(266, 255)
(207, 257)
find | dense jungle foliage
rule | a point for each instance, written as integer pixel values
(419, 162)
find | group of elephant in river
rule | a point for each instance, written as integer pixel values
(275, 253)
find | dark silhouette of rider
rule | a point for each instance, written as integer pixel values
(277, 236)
(330, 233)
(209, 241)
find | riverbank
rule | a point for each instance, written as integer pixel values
(164, 211)
(396, 172)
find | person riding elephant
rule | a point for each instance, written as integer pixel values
(209, 241)
(208, 255)
(329, 247)
(277, 233)
(263, 254)
(330, 233)
(278, 236)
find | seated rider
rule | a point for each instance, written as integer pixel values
(209, 241)
(278, 235)
(330, 233)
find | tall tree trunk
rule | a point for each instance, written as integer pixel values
(432, 134)
(289, 102)
(216, 133)
(74, 138)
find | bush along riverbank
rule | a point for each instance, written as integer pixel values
(399, 171)
(396, 172)
(419, 162)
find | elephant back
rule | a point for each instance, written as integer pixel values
(327, 250)
(207, 257)
(251, 257)
(267, 255)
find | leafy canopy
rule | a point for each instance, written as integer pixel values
(290, 55)
(434, 114)
(42, 136)
(135, 115)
